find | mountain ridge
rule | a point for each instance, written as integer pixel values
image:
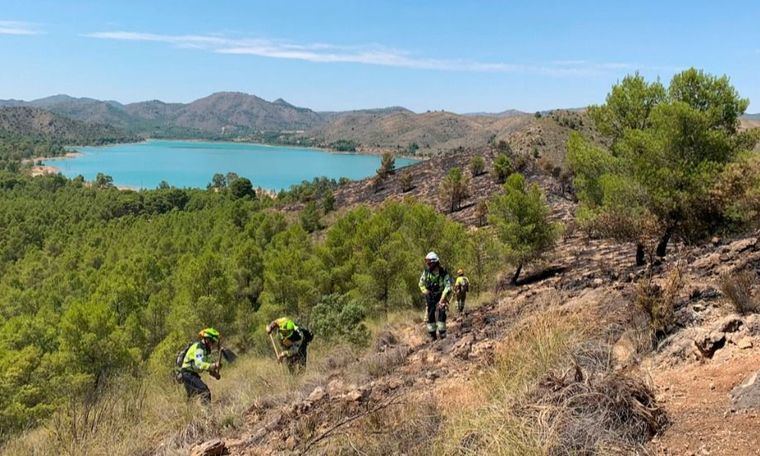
(242, 116)
(43, 125)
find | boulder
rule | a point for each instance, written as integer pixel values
(395, 383)
(747, 395)
(335, 387)
(707, 262)
(463, 347)
(317, 395)
(729, 324)
(214, 447)
(357, 395)
(709, 342)
(742, 245)
(744, 343)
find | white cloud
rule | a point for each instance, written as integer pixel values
(18, 28)
(365, 54)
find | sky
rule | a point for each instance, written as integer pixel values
(460, 56)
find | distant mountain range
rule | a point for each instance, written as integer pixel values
(224, 113)
(240, 116)
(243, 116)
(507, 113)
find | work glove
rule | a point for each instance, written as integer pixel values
(270, 328)
(443, 305)
(280, 357)
(214, 371)
(426, 292)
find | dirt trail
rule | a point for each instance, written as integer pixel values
(696, 397)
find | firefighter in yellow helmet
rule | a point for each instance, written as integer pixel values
(461, 287)
(197, 360)
(294, 341)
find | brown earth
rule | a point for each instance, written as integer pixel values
(584, 275)
(426, 178)
(439, 132)
(696, 397)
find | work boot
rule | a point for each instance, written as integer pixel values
(442, 335)
(433, 336)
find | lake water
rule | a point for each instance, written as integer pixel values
(193, 163)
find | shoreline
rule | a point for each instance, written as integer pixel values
(261, 144)
(46, 168)
(72, 154)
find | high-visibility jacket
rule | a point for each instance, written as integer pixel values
(290, 336)
(197, 358)
(436, 283)
(461, 284)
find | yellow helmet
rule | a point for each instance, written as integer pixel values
(209, 333)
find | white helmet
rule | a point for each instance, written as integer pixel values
(431, 257)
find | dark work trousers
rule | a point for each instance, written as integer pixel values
(460, 301)
(298, 361)
(195, 386)
(434, 323)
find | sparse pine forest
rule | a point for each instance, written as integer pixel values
(99, 287)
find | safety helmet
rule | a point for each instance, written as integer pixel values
(432, 257)
(288, 327)
(460, 272)
(209, 333)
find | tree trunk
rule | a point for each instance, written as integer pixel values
(662, 246)
(640, 257)
(517, 274)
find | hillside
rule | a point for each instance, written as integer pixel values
(406, 390)
(605, 315)
(235, 115)
(239, 113)
(436, 133)
(39, 124)
(220, 114)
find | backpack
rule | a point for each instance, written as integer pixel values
(180, 361)
(465, 285)
(308, 336)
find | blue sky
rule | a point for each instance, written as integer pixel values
(461, 56)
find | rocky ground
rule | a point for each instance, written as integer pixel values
(696, 371)
(426, 177)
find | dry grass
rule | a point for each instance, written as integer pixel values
(408, 427)
(539, 344)
(659, 302)
(593, 409)
(152, 415)
(553, 390)
(737, 287)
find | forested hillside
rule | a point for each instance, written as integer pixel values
(31, 132)
(239, 116)
(102, 282)
(574, 273)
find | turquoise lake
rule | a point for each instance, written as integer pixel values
(193, 163)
